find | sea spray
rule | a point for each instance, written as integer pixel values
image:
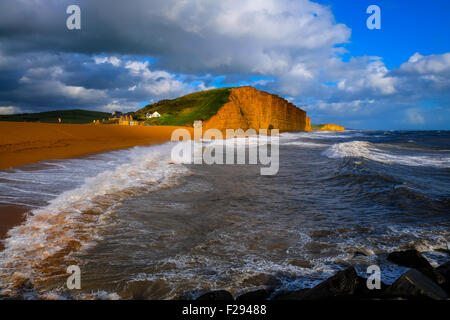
(41, 248)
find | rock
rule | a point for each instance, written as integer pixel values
(410, 259)
(444, 270)
(250, 108)
(216, 295)
(257, 295)
(262, 279)
(343, 284)
(363, 292)
(433, 275)
(331, 127)
(414, 285)
(414, 259)
(290, 295)
(189, 295)
(300, 263)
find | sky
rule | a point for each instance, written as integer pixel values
(319, 55)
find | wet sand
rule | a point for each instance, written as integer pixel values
(24, 143)
(10, 216)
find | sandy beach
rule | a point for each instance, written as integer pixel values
(24, 143)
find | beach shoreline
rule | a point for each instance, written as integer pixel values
(25, 143)
(10, 216)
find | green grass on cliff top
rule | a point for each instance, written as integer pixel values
(67, 116)
(185, 110)
(316, 126)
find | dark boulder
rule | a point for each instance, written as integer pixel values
(444, 271)
(216, 295)
(363, 292)
(290, 295)
(414, 259)
(257, 295)
(414, 285)
(409, 259)
(433, 275)
(343, 284)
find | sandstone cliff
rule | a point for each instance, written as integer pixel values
(250, 108)
(332, 127)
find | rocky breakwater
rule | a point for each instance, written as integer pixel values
(249, 108)
(420, 282)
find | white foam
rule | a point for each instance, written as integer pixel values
(72, 220)
(305, 144)
(322, 135)
(252, 141)
(367, 150)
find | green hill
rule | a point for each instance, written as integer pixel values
(316, 126)
(67, 116)
(185, 110)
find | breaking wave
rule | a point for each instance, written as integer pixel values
(40, 249)
(305, 144)
(367, 150)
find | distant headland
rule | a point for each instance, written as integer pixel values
(229, 108)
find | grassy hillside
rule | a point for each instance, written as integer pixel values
(185, 110)
(316, 126)
(67, 116)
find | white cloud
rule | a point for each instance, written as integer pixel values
(414, 116)
(354, 106)
(362, 75)
(154, 83)
(117, 105)
(78, 92)
(423, 65)
(9, 110)
(111, 60)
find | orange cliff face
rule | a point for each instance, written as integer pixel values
(249, 108)
(332, 127)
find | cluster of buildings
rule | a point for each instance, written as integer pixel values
(120, 118)
(152, 115)
(126, 119)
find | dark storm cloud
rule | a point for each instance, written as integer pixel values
(131, 52)
(224, 37)
(46, 80)
(46, 65)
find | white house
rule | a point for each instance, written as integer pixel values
(152, 115)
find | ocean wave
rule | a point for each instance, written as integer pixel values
(40, 249)
(252, 141)
(367, 150)
(305, 144)
(348, 134)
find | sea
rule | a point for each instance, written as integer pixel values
(141, 226)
